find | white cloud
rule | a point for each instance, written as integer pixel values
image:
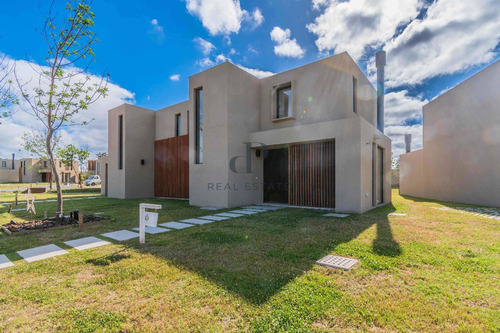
(175, 77)
(205, 46)
(453, 36)
(353, 25)
(156, 33)
(257, 17)
(401, 108)
(205, 62)
(256, 72)
(223, 17)
(286, 47)
(93, 135)
(221, 58)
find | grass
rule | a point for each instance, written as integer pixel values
(433, 271)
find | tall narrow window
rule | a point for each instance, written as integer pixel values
(120, 142)
(178, 124)
(199, 125)
(187, 122)
(284, 103)
(354, 94)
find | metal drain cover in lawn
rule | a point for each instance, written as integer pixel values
(337, 262)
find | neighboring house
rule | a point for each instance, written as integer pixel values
(35, 170)
(460, 159)
(9, 170)
(304, 137)
(94, 167)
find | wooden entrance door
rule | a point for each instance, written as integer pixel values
(312, 174)
(172, 167)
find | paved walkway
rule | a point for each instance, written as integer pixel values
(52, 250)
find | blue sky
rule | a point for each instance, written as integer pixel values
(151, 48)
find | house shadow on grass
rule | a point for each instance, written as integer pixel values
(256, 256)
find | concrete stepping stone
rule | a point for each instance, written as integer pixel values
(397, 214)
(337, 215)
(270, 207)
(256, 208)
(176, 225)
(211, 208)
(215, 218)
(121, 235)
(229, 215)
(42, 252)
(5, 262)
(245, 211)
(153, 230)
(196, 221)
(86, 243)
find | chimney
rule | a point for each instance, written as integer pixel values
(408, 142)
(380, 62)
(13, 160)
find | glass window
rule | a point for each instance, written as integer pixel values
(120, 142)
(354, 94)
(199, 125)
(284, 104)
(178, 124)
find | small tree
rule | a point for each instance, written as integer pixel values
(100, 155)
(7, 96)
(34, 144)
(70, 154)
(62, 89)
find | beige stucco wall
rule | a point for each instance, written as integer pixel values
(411, 174)
(323, 89)
(104, 161)
(134, 180)
(165, 120)
(9, 174)
(461, 152)
(215, 167)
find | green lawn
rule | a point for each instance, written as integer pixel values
(434, 271)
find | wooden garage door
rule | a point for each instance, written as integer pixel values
(172, 167)
(312, 174)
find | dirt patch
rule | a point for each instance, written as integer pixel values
(49, 223)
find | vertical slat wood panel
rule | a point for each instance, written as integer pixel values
(312, 174)
(172, 167)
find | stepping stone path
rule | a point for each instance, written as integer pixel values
(153, 230)
(214, 218)
(397, 214)
(52, 250)
(337, 215)
(5, 262)
(489, 213)
(229, 215)
(210, 208)
(121, 235)
(245, 211)
(196, 221)
(42, 252)
(86, 243)
(176, 225)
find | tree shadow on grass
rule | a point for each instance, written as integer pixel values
(108, 259)
(258, 255)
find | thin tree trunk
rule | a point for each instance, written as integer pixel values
(56, 176)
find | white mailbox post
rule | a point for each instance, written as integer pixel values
(142, 220)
